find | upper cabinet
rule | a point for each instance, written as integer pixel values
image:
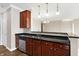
(25, 19)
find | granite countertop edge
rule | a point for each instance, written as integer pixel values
(45, 38)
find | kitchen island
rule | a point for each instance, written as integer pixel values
(43, 44)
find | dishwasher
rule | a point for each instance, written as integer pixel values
(22, 44)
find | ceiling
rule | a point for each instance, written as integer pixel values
(67, 10)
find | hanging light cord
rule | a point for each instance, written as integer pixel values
(47, 8)
(39, 9)
(57, 7)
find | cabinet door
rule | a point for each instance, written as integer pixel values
(61, 50)
(25, 19)
(29, 46)
(47, 51)
(17, 41)
(22, 20)
(28, 19)
(36, 47)
(29, 50)
(29, 41)
(47, 48)
(36, 51)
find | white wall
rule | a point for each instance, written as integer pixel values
(58, 26)
(8, 27)
(15, 25)
(54, 26)
(35, 22)
(76, 26)
(66, 26)
(35, 25)
(76, 30)
(4, 29)
(74, 46)
(0, 29)
(11, 26)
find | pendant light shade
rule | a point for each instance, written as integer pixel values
(57, 13)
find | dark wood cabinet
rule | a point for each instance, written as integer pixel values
(25, 19)
(61, 49)
(38, 47)
(29, 46)
(17, 41)
(33, 47)
(47, 48)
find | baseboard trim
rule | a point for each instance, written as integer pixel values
(11, 49)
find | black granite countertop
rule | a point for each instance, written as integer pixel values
(45, 33)
(55, 37)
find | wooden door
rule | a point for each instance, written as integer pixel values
(28, 19)
(61, 49)
(47, 48)
(22, 20)
(17, 41)
(29, 46)
(25, 19)
(36, 47)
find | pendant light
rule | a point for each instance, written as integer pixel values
(47, 10)
(39, 16)
(46, 15)
(57, 11)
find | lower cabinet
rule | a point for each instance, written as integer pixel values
(61, 49)
(38, 47)
(29, 46)
(47, 48)
(47, 51)
(33, 47)
(17, 41)
(29, 50)
(36, 51)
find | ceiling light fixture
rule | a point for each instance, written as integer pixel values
(46, 15)
(57, 11)
(43, 20)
